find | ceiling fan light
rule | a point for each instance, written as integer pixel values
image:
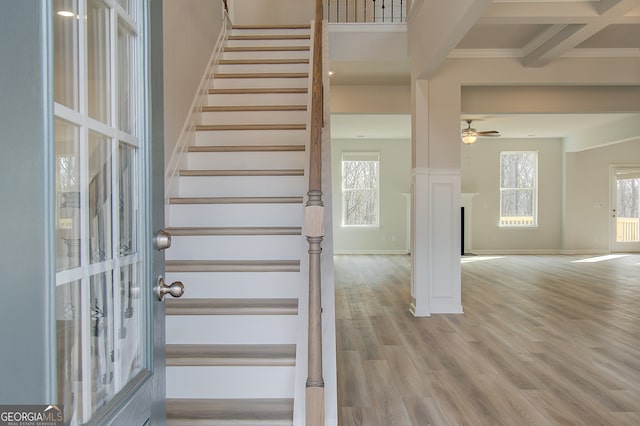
(468, 137)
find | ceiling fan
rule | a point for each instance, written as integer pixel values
(470, 135)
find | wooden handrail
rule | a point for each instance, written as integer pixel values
(314, 232)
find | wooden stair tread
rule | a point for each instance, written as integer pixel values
(267, 48)
(232, 266)
(218, 412)
(259, 91)
(245, 230)
(235, 200)
(245, 148)
(266, 61)
(231, 355)
(272, 27)
(270, 37)
(252, 108)
(261, 75)
(213, 127)
(265, 172)
(231, 306)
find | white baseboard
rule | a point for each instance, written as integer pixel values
(514, 252)
(372, 252)
(534, 252)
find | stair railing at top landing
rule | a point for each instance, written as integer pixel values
(314, 232)
(366, 11)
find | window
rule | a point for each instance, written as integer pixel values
(519, 188)
(360, 187)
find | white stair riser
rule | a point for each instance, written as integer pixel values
(260, 42)
(231, 68)
(246, 160)
(255, 83)
(257, 54)
(236, 285)
(250, 137)
(230, 382)
(254, 117)
(241, 381)
(231, 329)
(269, 31)
(236, 247)
(221, 99)
(242, 186)
(236, 215)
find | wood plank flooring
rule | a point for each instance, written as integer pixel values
(545, 340)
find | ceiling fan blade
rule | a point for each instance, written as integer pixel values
(489, 133)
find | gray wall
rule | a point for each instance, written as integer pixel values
(395, 179)
(480, 173)
(191, 29)
(588, 194)
(574, 196)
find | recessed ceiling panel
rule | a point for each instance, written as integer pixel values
(488, 36)
(616, 36)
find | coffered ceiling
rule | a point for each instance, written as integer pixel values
(541, 31)
(535, 32)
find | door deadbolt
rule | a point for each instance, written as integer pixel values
(162, 240)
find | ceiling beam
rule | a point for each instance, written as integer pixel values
(436, 28)
(573, 34)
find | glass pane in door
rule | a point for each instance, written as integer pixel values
(100, 220)
(128, 202)
(99, 60)
(68, 241)
(69, 350)
(129, 343)
(101, 332)
(627, 209)
(65, 21)
(127, 119)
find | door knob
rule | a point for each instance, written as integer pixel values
(175, 289)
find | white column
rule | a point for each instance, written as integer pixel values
(444, 238)
(420, 254)
(435, 282)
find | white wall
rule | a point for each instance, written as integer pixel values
(191, 29)
(480, 173)
(395, 179)
(588, 204)
(277, 12)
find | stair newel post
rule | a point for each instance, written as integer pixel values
(314, 232)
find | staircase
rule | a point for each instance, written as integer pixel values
(236, 228)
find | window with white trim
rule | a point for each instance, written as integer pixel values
(360, 188)
(518, 189)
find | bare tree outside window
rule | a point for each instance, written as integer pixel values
(518, 188)
(360, 184)
(628, 208)
(628, 197)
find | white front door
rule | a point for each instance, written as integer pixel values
(109, 324)
(625, 208)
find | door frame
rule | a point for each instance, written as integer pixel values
(614, 245)
(27, 255)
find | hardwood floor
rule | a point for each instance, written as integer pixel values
(545, 340)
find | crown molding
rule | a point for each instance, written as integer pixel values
(518, 53)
